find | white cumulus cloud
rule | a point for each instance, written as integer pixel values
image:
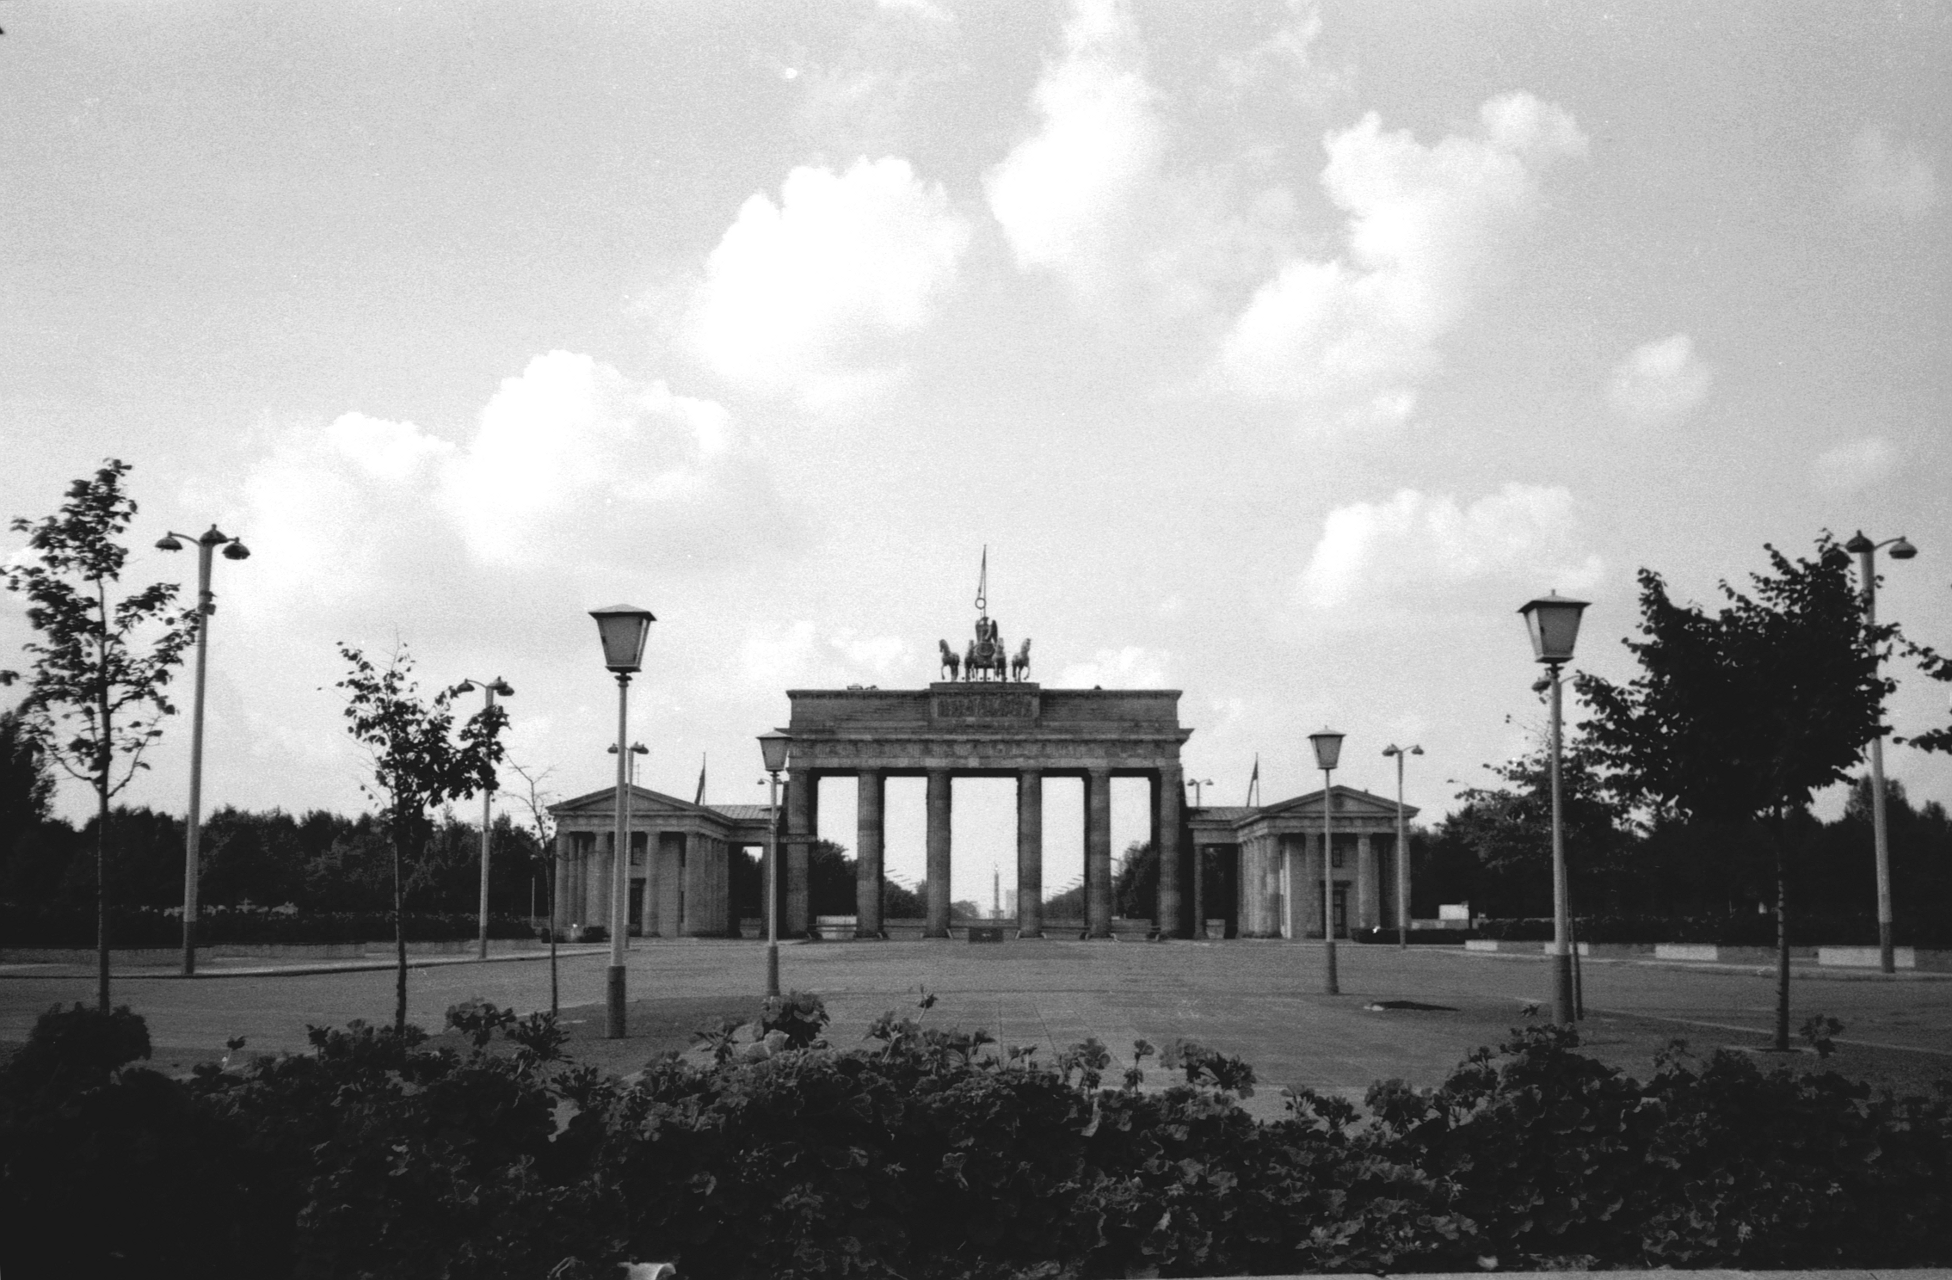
(570, 462)
(573, 434)
(1068, 195)
(1395, 554)
(1890, 176)
(1854, 465)
(1659, 382)
(1130, 667)
(1350, 338)
(806, 297)
(798, 656)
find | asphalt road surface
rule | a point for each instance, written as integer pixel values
(1260, 1000)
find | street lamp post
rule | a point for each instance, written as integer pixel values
(1328, 752)
(623, 629)
(637, 750)
(1197, 784)
(1866, 552)
(193, 837)
(489, 689)
(773, 747)
(1402, 849)
(1553, 622)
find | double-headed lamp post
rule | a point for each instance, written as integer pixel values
(637, 751)
(623, 629)
(1328, 753)
(489, 689)
(1402, 849)
(1553, 622)
(774, 747)
(206, 605)
(1866, 552)
(1199, 785)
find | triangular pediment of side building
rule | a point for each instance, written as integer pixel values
(643, 802)
(1349, 802)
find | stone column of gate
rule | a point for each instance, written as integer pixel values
(1098, 853)
(1030, 854)
(1168, 793)
(1368, 895)
(871, 787)
(937, 925)
(793, 919)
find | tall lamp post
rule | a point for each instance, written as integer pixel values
(637, 750)
(1198, 784)
(1402, 849)
(623, 629)
(489, 688)
(1866, 552)
(193, 837)
(1553, 622)
(773, 747)
(1328, 753)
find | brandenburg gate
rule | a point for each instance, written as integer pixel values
(1268, 862)
(990, 729)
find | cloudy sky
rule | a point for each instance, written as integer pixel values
(1277, 352)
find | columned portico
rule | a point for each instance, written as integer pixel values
(679, 871)
(1282, 856)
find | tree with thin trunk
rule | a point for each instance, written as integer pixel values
(95, 693)
(536, 800)
(419, 762)
(1742, 715)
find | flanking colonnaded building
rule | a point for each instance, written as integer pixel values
(1270, 855)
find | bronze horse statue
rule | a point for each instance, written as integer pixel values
(950, 662)
(1020, 665)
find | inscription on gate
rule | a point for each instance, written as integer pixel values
(983, 707)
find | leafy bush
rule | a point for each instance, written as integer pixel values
(934, 1153)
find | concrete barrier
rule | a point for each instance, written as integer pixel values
(1866, 957)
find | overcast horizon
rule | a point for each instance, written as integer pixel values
(1277, 352)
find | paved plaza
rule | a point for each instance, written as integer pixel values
(1261, 1000)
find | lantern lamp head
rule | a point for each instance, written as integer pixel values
(623, 629)
(774, 746)
(1901, 549)
(1553, 622)
(235, 550)
(1328, 748)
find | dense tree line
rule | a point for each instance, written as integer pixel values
(1494, 853)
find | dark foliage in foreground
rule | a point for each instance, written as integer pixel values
(929, 1153)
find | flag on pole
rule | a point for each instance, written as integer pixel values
(700, 797)
(1254, 782)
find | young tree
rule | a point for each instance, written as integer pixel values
(1508, 829)
(95, 693)
(1744, 714)
(419, 764)
(536, 801)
